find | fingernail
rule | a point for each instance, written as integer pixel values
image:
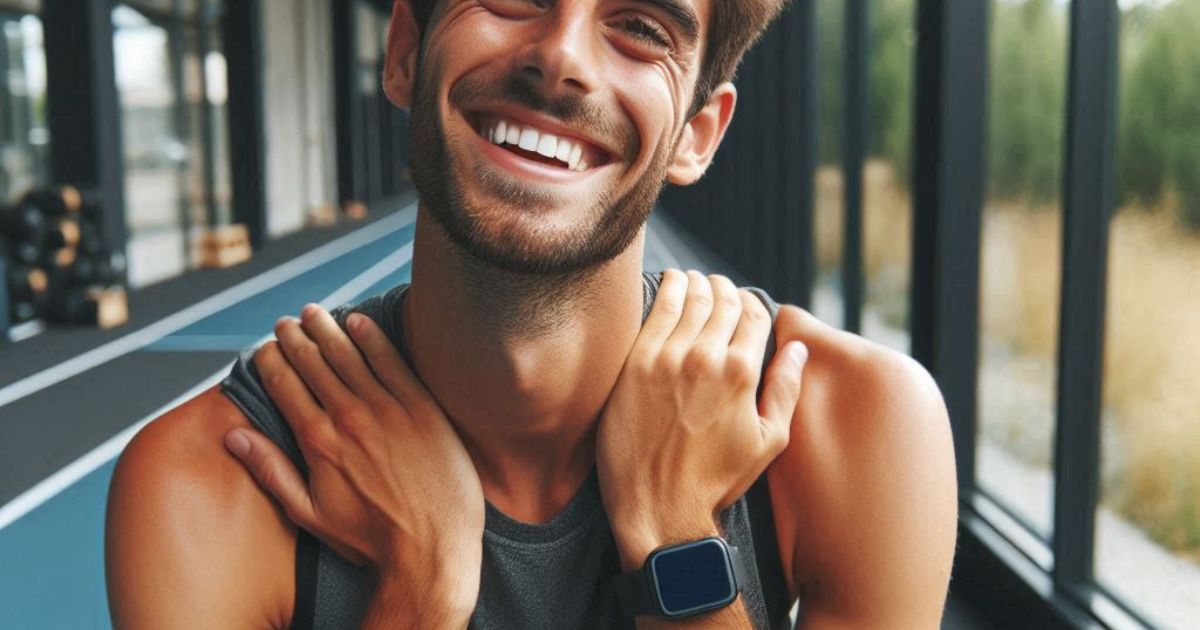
(798, 353)
(355, 322)
(309, 310)
(235, 441)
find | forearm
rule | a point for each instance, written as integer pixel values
(401, 603)
(734, 617)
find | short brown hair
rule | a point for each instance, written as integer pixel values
(735, 26)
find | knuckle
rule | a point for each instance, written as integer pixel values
(730, 301)
(307, 352)
(671, 302)
(754, 312)
(741, 368)
(275, 379)
(355, 421)
(316, 439)
(700, 361)
(700, 298)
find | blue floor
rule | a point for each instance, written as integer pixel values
(52, 559)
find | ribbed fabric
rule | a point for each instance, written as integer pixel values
(553, 575)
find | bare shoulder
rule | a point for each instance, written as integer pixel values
(865, 493)
(189, 536)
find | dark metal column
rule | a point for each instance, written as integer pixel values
(948, 179)
(348, 107)
(247, 130)
(82, 106)
(854, 143)
(1088, 202)
(774, 204)
(799, 101)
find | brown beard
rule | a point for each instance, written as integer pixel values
(611, 225)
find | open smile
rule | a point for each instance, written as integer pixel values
(534, 145)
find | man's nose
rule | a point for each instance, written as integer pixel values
(560, 57)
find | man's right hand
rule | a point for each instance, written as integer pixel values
(390, 485)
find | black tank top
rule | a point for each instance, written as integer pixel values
(553, 575)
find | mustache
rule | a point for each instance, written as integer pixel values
(575, 111)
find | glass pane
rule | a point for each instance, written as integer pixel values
(1021, 258)
(156, 155)
(829, 207)
(887, 198)
(24, 137)
(1148, 523)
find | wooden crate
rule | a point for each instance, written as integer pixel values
(224, 246)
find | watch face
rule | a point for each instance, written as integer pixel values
(693, 578)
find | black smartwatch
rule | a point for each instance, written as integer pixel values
(679, 581)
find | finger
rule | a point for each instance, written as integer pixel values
(666, 310)
(275, 473)
(781, 393)
(696, 309)
(340, 352)
(389, 367)
(749, 341)
(285, 387)
(727, 312)
(305, 356)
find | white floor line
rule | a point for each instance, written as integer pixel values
(192, 314)
(51, 486)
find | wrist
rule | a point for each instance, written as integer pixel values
(424, 603)
(447, 581)
(637, 538)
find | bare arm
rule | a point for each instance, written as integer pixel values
(867, 487)
(190, 540)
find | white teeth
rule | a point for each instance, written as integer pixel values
(529, 140)
(549, 145)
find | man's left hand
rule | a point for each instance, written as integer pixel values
(682, 435)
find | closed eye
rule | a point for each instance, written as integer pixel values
(645, 30)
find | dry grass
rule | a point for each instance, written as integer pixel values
(1151, 390)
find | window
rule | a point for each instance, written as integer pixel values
(24, 137)
(887, 198)
(828, 205)
(1021, 258)
(1148, 521)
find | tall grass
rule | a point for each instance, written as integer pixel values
(1151, 422)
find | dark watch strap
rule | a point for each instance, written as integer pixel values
(635, 592)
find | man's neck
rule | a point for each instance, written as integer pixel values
(521, 365)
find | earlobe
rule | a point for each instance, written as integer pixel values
(403, 47)
(702, 136)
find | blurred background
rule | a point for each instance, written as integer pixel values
(1008, 190)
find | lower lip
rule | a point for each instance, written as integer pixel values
(530, 169)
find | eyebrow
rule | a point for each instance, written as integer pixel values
(682, 14)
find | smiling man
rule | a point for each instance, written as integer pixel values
(535, 433)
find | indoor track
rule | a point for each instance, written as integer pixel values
(66, 423)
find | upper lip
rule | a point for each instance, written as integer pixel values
(545, 123)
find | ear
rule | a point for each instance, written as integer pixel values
(403, 48)
(702, 136)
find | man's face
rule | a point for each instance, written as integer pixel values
(542, 129)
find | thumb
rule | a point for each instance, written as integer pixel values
(781, 391)
(274, 472)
